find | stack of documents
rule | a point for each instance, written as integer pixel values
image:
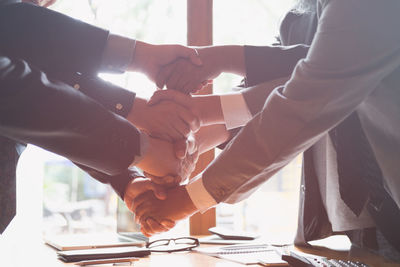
(246, 254)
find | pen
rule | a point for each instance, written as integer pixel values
(105, 261)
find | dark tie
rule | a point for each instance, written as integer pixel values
(8, 162)
(361, 179)
(357, 167)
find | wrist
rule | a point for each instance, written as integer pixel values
(208, 109)
(188, 207)
(140, 59)
(136, 114)
(233, 58)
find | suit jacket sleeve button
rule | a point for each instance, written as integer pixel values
(119, 106)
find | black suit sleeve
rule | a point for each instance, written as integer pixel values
(68, 50)
(118, 182)
(263, 64)
(51, 41)
(266, 63)
(52, 115)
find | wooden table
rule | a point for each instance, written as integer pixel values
(36, 254)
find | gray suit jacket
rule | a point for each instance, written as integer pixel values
(267, 68)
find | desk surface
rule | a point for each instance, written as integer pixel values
(35, 253)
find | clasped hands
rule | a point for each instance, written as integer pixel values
(168, 121)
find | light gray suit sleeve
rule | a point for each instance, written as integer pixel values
(349, 58)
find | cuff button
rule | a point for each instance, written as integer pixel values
(119, 106)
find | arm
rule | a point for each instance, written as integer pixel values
(56, 117)
(257, 64)
(325, 87)
(328, 85)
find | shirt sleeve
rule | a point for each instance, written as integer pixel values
(235, 110)
(347, 61)
(118, 54)
(199, 195)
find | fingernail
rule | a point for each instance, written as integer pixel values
(161, 195)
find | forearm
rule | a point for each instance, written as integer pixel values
(208, 109)
(226, 58)
(75, 46)
(42, 115)
(211, 136)
(323, 90)
(266, 63)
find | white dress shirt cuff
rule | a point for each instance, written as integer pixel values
(199, 195)
(118, 54)
(235, 110)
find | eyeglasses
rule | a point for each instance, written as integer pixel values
(173, 244)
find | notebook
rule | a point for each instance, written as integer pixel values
(246, 254)
(128, 234)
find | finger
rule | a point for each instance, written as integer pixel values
(180, 148)
(171, 131)
(140, 201)
(188, 76)
(191, 144)
(145, 229)
(190, 53)
(173, 95)
(160, 180)
(168, 224)
(138, 188)
(182, 128)
(176, 75)
(164, 74)
(160, 95)
(141, 210)
(191, 120)
(145, 210)
(191, 88)
(154, 226)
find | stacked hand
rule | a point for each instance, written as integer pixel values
(150, 58)
(156, 210)
(185, 77)
(159, 200)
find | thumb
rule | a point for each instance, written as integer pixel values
(180, 148)
(190, 53)
(159, 191)
(191, 144)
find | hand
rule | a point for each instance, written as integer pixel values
(150, 58)
(159, 158)
(207, 108)
(165, 120)
(150, 211)
(140, 185)
(187, 78)
(188, 151)
(43, 3)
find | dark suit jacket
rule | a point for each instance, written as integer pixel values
(43, 54)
